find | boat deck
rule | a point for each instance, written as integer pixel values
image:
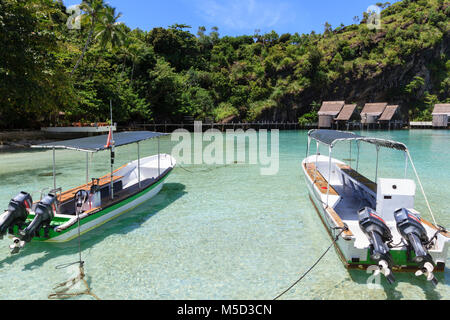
(320, 181)
(69, 194)
(106, 179)
(322, 185)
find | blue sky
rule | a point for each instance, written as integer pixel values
(239, 17)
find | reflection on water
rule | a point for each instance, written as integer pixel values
(216, 232)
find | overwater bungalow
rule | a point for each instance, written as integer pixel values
(371, 113)
(347, 117)
(390, 117)
(441, 113)
(328, 111)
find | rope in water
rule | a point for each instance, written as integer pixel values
(67, 285)
(345, 228)
(205, 170)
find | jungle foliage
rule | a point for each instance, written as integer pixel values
(53, 72)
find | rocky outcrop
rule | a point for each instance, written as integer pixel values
(386, 86)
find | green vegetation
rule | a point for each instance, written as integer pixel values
(165, 74)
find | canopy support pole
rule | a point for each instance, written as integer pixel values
(308, 146)
(376, 169)
(406, 164)
(350, 153)
(112, 150)
(111, 184)
(329, 173)
(317, 159)
(139, 165)
(54, 169)
(159, 159)
(357, 158)
(87, 168)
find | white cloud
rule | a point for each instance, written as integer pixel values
(245, 14)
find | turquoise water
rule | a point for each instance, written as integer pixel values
(217, 232)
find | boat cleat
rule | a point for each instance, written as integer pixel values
(427, 271)
(16, 246)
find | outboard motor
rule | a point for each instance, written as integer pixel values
(378, 234)
(412, 230)
(44, 215)
(16, 214)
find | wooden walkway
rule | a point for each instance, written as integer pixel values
(170, 127)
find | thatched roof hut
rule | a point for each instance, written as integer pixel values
(347, 112)
(440, 115)
(442, 108)
(372, 111)
(328, 111)
(389, 113)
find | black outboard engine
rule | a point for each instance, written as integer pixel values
(44, 215)
(412, 230)
(16, 214)
(378, 233)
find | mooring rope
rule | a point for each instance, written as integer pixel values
(208, 169)
(345, 228)
(67, 285)
(63, 287)
(421, 187)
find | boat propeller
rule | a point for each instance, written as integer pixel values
(378, 234)
(427, 271)
(16, 246)
(412, 230)
(385, 269)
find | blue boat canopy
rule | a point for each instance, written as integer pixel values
(98, 143)
(331, 137)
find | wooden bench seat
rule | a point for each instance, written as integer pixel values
(358, 177)
(320, 181)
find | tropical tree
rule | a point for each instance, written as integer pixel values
(92, 9)
(109, 30)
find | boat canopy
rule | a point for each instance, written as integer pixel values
(331, 137)
(98, 143)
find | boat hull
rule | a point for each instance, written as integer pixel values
(109, 213)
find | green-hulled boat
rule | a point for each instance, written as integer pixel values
(61, 216)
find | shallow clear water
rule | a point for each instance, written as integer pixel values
(217, 232)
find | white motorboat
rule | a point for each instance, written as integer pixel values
(377, 221)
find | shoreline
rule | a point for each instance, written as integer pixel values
(20, 139)
(23, 139)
